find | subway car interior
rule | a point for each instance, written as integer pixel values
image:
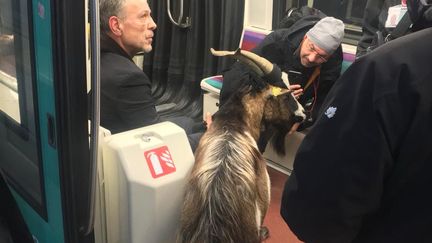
(67, 178)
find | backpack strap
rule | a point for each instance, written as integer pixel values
(313, 76)
(401, 28)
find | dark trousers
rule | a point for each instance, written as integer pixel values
(194, 130)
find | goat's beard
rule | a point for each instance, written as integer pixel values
(275, 134)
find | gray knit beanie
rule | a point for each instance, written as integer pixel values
(327, 34)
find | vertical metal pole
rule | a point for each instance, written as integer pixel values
(95, 116)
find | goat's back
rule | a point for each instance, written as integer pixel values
(227, 194)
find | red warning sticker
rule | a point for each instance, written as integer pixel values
(160, 162)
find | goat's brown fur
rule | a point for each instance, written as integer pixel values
(228, 191)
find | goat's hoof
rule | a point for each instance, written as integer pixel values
(264, 233)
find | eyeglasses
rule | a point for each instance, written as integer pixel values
(312, 49)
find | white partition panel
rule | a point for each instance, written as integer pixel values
(145, 172)
(258, 14)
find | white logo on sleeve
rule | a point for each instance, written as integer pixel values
(330, 112)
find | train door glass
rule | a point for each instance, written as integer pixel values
(19, 135)
(350, 11)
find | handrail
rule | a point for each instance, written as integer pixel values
(95, 116)
(179, 23)
(8, 81)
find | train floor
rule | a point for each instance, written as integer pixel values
(279, 231)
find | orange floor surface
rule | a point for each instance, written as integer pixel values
(279, 231)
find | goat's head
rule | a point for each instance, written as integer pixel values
(281, 110)
(279, 119)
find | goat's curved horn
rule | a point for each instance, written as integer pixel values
(238, 55)
(263, 64)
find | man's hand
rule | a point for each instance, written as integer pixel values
(294, 128)
(296, 90)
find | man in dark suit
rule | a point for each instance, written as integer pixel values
(126, 99)
(127, 28)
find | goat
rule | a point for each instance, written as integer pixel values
(228, 190)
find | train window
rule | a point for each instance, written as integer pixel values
(8, 82)
(349, 11)
(258, 14)
(19, 135)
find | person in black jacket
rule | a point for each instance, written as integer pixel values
(127, 28)
(309, 43)
(374, 19)
(126, 99)
(362, 173)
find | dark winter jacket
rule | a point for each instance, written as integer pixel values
(374, 18)
(362, 174)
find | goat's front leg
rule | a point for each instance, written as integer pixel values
(264, 188)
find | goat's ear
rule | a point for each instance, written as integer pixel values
(276, 91)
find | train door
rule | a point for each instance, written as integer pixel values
(44, 144)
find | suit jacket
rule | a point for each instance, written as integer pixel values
(126, 98)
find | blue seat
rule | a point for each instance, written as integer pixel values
(348, 59)
(212, 84)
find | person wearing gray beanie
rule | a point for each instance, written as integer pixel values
(321, 41)
(308, 50)
(327, 34)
